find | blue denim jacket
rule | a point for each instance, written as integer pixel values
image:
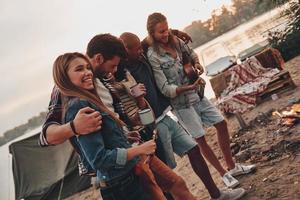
(106, 149)
(168, 73)
(54, 116)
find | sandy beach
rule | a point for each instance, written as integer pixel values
(274, 148)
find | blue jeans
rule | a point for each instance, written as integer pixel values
(129, 188)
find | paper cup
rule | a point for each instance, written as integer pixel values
(146, 116)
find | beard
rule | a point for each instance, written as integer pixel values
(98, 72)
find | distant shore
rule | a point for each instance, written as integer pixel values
(20, 130)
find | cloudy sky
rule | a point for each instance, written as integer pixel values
(34, 32)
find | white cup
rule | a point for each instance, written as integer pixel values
(274, 97)
(146, 116)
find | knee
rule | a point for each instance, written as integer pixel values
(179, 183)
(224, 123)
(202, 142)
(221, 124)
(194, 151)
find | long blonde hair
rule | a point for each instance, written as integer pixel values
(68, 89)
(152, 20)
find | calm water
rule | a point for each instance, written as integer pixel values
(235, 41)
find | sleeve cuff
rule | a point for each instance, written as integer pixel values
(173, 91)
(121, 156)
(43, 142)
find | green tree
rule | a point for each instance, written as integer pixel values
(225, 19)
(287, 41)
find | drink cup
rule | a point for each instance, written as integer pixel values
(274, 97)
(146, 116)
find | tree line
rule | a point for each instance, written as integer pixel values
(227, 18)
(32, 123)
(287, 41)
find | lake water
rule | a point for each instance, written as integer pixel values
(235, 41)
(239, 39)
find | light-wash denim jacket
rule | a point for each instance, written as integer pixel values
(105, 149)
(168, 73)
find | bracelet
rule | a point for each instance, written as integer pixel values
(73, 127)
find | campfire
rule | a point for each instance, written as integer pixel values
(289, 117)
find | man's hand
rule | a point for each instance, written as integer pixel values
(138, 90)
(196, 84)
(199, 68)
(87, 120)
(182, 35)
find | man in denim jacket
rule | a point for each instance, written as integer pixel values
(165, 56)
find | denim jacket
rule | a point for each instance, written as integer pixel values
(169, 74)
(105, 149)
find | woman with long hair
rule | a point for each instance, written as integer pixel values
(106, 150)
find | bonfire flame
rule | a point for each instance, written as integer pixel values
(289, 118)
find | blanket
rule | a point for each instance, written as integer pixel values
(248, 79)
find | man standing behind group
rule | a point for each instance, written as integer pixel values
(172, 135)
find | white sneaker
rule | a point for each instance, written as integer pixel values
(234, 194)
(240, 169)
(230, 181)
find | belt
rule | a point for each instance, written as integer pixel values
(118, 181)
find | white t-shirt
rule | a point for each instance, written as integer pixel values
(105, 96)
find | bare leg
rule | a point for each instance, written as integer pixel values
(224, 143)
(200, 168)
(210, 155)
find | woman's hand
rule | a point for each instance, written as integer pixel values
(148, 147)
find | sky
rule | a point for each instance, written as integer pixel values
(34, 32)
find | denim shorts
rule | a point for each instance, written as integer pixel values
(198, 115)
(174, 139)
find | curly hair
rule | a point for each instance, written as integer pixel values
(106, 44)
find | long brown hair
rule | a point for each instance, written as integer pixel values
(68, 89)
(152, 21)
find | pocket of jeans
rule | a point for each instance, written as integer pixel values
(131, 188)
(108, 195)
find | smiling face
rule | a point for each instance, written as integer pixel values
(161, 32)
(108, 67)
(135, 50)
(80, 73)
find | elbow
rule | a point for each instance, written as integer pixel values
(169, 91)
